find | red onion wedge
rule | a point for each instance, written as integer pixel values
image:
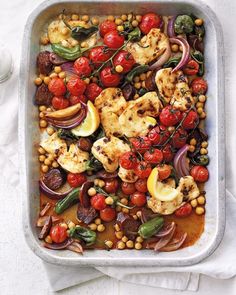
(68, 67)
(56, 60)
(106, 175)
(42, 220)
(170, 27)
(52, 194)
(83, 194)
(162, 59)
(186, 51)
(59, 246)
(180, 162)
(165, 240)
(165, 230)
(75, 247)
(175, 244)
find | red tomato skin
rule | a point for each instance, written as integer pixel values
(92, 91)
(108, 214)
(191, 120)
(164, 171)
(58, 233)
(125, 59)
(168, 154)
(82, 66)
(153, 156)
(199, 173)
(143, 169)
(98, 202)
(128, 188)
(199, 86)
(73, 99)
(128, 160)
(140, 144)
(60, 103)
(170, 116)
(57, 86)
(158, 135)
(141, 185)
(99, 54)
(108, 78)
(179, 139)
(184, 210)
(138, 199)
(113, 39)
(106, 26)
(111, 185)
(150, 21)
(76, 179)
(191, 68)
(76, 86)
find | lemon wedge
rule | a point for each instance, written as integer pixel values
(90, 123)
(151, 120)
(159, 190)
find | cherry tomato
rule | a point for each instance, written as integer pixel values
(128, 160)
(128, 188)
(114, 39)
(153, 156)
(92, 91)
(184, 210)
(199, 173)
(111, 185)
(108, 214)
(191, 68)
(191, 120)
(150, 21)
(179, 139)
(143, 169)
(60, 102)
(73, 99)
(109, 78)
(168, 154)
(76, 179)
(106, 26)
(76, 86)
(170, 116)
(141, 185)
(159, 135)
(199, 86)
(125, 59)
(140, 144)
(164, 171)
(82, 66)
(57, 86)
(99, 54)
(138, 199)
(58, 233)
(98, 202)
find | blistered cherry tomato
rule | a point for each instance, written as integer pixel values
(153, 156)
(128, 160)
(164, 171)
(60, 102)
(199, 173)
(138, 199)
(74, 99)
(140, 144)
(170, 116)
(76, 86)
(128, 188)
(58, 233)
(191, 120)
(57, 86)
(76, 179)
(108, 214)
(109, 78)
(158, 135)
(111, 185)
(82, 66)
(168, 153)
(125, 59)
(106, 26)
(114, 39)
(92, 91)
(184, 210)
(99, 54)
(150, 21)
(141, 185)
(179, 139)
(143, 169)
(199, 86)
(191, 68)
(98, 202)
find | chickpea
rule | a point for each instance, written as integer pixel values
(203, 151)
(139, 18)
(139, 214)
(101, 183)
(193, 141)
(93, 226)
(47, 162)
(202, 98)
(198, 22)
(118, 208)
(48, 109)
(118, 21)
(171, 129)
(63, 224)
(87, 80)
(120, 245)
(181, 48)
(50, 130)
(44, 40)
(120, 28)
(111, 18)
(42, 108)
(143, 77)
(74, 17)
(124, 17)
(130, 244)
(41, 76)
(191, 148)
(74, 43)
(200, 210)
(130, 16)
(46, 80)
(38, 81)
(48, 239)
(134, 23)
(41, 150)
(109, 244)
(57, 69)
(199, 105)
(97, 221)
(204, 144)
(50, 157)
(135, 217)
(85, 18)
(125, 210)
(109, 201)
(124, 201)
(92, 191)
(174, 47)
(119, 234)
(137, 85)
(124, 239)
(136, 96)
(117, 228)
(65, 43)
(201, 200)
(136, 79)
(101, 228)
(55, 164)
(202, 115)
(199, 111)
(143, 84)
(41, 115)
(43, 123)
(96, 181)
(119, 69)
(139, 239)
(95, 21)
(84, 44)
(138, 246)
(42, 158)
(71, 224)
(44, 168)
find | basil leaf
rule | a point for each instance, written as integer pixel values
(81, 33)
(136, 71)
(135, 35)
(172, 62)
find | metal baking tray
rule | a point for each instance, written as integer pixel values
(29, 134)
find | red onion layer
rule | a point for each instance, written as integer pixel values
(59, 246)
(170, 27)
(52, 194)
(186, 52)
(175, 244)
(180, 162)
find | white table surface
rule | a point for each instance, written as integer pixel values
(21, 272)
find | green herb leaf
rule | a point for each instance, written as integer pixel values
(135, 35)
(172, 62)
(82, 233)
(136, 71)
(81, 33)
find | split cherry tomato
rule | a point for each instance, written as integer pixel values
(60, 102)
(143, 169)
(58, 233)
(140, 144)
(109, 78)
(184, 210)
(76, 179)
(111, 185)
(98, 202)
(191, 68)
(170, 116)
(82, 66)
(114, 39)
(73, 99)
(138, 199)
(108, 214)
(128, 160)
(159, 135)
(164, 171)
(125, 59)
(92, 91)
(128, 188)
(99, 54)
(191, 120)
(168, 153)
(199, 173)
(57, 86)
(179, 139)
(76, 86)
(199, 86)
(141, 185)
(150, 21)
(106, 26)
(153, 156)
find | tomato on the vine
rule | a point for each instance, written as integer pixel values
(109, 78)
(184, 210)
(140, 144)
(153, 156)
(179, 138)
(106, 26)
(98, 202)
(170, 116)
(57, 86)
(76, 179)
(191, 120)
(125, 59)
(199, 86)
(141, 185)
(138, 199)
(58, 233)
(191, 68)
(150, 21)
(114, 39)
(143, 169)
(92, 91)
(76, 86)
(74, 99)
(128, 188)
(60, 102)
(168, 153)
(111, 185)
(128, 160)
(108, 214)
(99, 54)
(82, 66)
(164, 171)
(158, 135)
(199, 173)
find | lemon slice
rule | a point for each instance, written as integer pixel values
(90, 124)
(151, 120)
(152, 180)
